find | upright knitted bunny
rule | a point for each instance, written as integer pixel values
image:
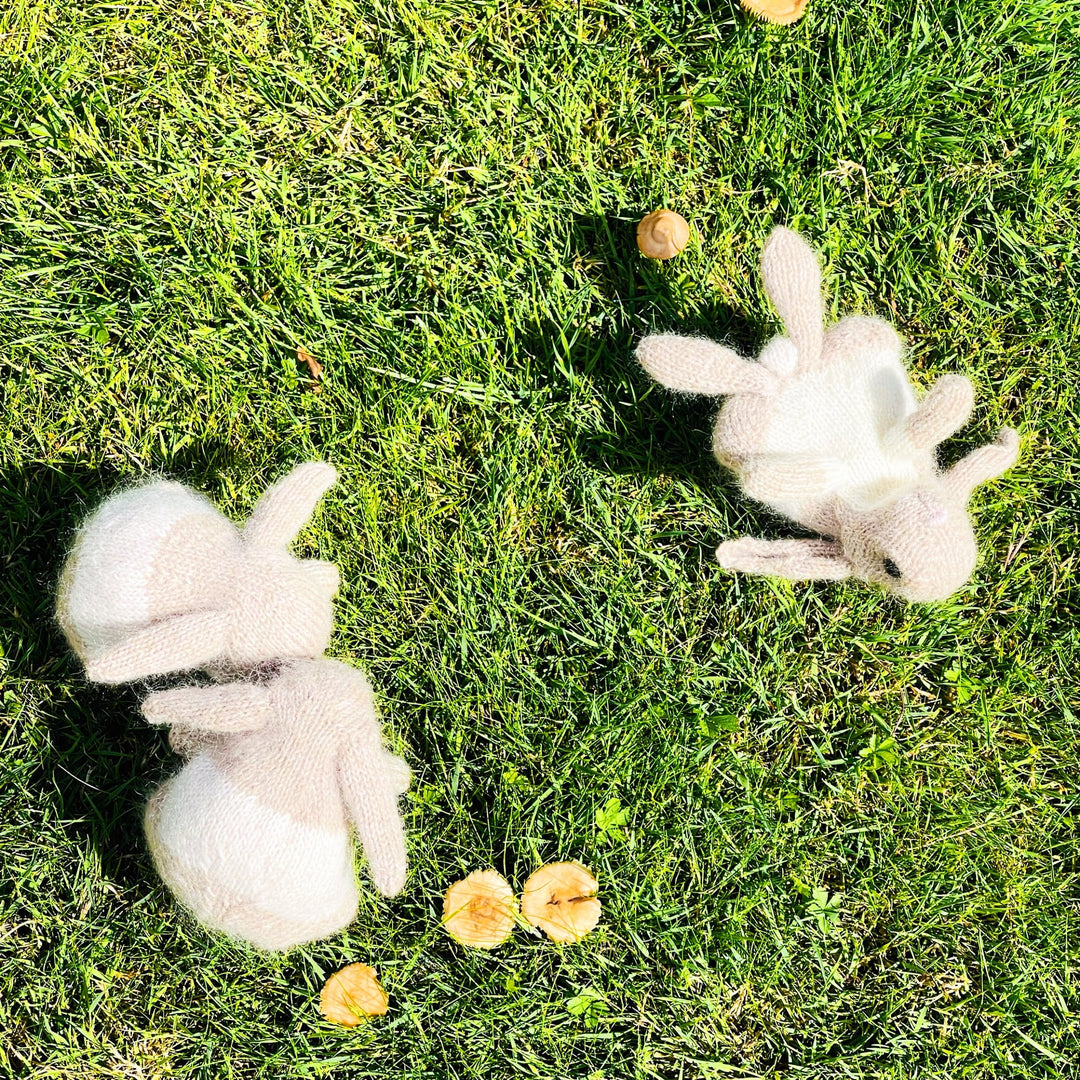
(253, 833)
(826, 429)
(159, 580)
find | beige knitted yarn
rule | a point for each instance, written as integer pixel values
(159, 580)
(825, 428)
(253, 833)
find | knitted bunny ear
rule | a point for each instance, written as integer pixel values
(792, 277)
(285, 508)
(796, 560)
(371, 781)
(175, 644)
(983, 464)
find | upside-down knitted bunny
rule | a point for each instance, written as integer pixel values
(253, 833)
(826, 429)
(159, 580)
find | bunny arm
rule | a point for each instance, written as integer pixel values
(792, 278)
(175, 644)
(943, 410)
(771, 478)
(231, 707)
(797, 560)
(983, 464)
(286, 506)
(699, 366)
(371, 781)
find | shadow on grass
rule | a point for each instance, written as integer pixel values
(653, 432)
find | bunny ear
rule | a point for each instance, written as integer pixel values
(983, 464)
(285, 508)
(177, 644)
(792, 277)
(225, 708)
(796, 560)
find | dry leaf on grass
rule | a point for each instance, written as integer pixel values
(313, 365)
(480, 910)
(776, 11)
(560, 898)
(352, 995)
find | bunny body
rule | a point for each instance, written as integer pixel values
(254, 833)
(826, 429)
(836, 419)
(159, 580)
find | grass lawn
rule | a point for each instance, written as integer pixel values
(438, 200)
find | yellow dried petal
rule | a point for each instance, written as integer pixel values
(560, 898)
(776, 11)
(479, 911)
(352, 995)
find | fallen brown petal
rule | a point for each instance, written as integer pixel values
(480, 910)
(352, 995)
(777, 11)
(313, 365)
(560, 898)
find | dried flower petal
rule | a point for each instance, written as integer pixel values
(352, 995)
(315, 369)
(560, 898)
(480, 910)
(776, 11)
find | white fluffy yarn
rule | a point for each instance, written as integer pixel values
(159, 581)
(253, 833)
(826, 429)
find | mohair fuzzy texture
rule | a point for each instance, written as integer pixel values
(826, 429)
(160, 581)
(253, 833)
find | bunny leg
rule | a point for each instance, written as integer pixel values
(792, 278)
(285, 507)
(370, 785)
(791, 479)
(700, 366)
(180, 643)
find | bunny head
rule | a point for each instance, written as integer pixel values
(159, 581)
(921, 546)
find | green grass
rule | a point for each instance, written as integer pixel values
(438, 200)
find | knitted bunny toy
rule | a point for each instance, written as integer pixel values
(253, 833)
(159, 581)
(826, 429)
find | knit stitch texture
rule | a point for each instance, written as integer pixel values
(253, 833)
(161, 581)
(826, 429)
(285, 752)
